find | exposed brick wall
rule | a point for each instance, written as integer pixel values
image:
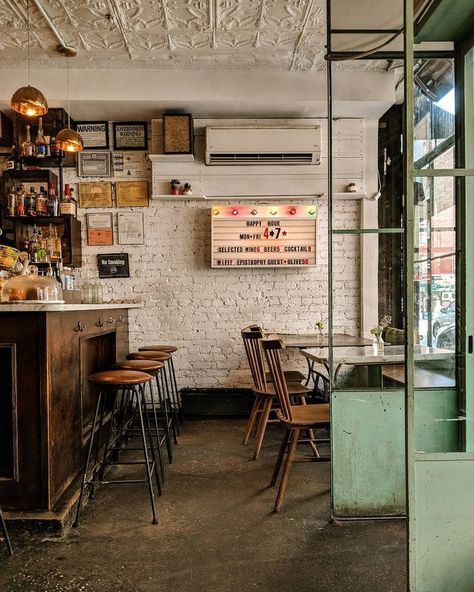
(202, 310)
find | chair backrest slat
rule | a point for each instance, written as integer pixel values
(272, 348)
(251, 336)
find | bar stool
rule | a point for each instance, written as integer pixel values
(167, 383)
(131, 386)
(154, 368)
(5, 533)
(169, 349)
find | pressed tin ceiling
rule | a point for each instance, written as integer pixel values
(279, 35)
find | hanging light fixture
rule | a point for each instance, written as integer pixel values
(28, 100)
(68, 139)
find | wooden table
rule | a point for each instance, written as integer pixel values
(364, 356)
(303, 341)
(310, 340)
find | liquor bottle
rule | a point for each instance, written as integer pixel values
(13, 164)
(54, 148)
(41, 253)
(53, 244)
(11, 201)
(28, 148)
(34, 245)
(40, 144)
(20, 206)
(42, 203)
(53, 201)
(31, 203)
(67, 206)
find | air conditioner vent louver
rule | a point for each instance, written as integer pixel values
(289, 158)
(263, 145)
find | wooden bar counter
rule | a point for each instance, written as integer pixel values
(46, 403)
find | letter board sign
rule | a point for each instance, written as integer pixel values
(263, 235)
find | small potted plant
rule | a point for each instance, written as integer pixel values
(187, 189)
(175, 186)
(378, 343)
(320, 325)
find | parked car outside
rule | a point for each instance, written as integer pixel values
(445, 317)
(447, 337)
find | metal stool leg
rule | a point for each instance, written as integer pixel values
(140, 404)
(173, 411)
(149, 432)
(5, 533)
(89, 453)
(166, 423)
(178, 400)
(157, 432)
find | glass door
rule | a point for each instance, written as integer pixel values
(439, 300)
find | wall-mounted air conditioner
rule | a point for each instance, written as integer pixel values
(263, 145)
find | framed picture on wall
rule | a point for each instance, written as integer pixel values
(113, 265)
(99, 229)
(177, 133)
(131, 193)
(95, 134)
(94, 164)
(130, 229)
(130, 135)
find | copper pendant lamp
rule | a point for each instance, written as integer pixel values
(68, 139)
(28, 100)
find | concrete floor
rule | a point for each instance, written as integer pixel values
(216, 533)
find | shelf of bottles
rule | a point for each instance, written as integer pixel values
(36, 141)
(44, 226)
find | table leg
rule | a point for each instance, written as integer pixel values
(374, 375)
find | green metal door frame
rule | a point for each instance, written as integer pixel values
(440, 539)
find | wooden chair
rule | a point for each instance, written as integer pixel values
(294, 418)
(264, 391)
(5, 533)
(290, 375)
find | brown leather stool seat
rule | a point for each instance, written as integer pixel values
(166, 348)
(119, 377)
(140, 365)
(149, 355)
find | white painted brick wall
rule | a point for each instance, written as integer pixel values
(202, 310)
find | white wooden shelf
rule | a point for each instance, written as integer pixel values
(168, 197)
(171, 157)
(200, 197)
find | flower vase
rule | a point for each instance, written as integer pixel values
(378, 345)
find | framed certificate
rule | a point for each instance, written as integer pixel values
(93, 164)
(95, 195)
(130, 135)
(130, 165)
(113, 265)
(177, 133)
(100, 229)
(131, 193)
(130, 228)
(95, 134)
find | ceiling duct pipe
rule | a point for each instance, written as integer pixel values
(63, 47)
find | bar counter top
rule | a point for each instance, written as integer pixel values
(46, 307)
